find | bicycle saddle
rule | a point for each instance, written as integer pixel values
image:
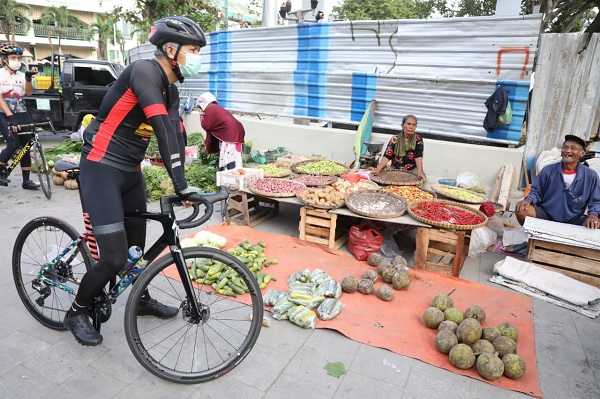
(62, 166)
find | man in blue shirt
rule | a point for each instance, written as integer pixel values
(563, 191)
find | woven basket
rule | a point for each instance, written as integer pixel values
(302, 163)
(397, 178)
(316, 205)
(439, 188)
(275, 195)
(322, 180)
(376, 204)
(446, 225)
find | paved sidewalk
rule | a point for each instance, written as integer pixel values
(286, 362)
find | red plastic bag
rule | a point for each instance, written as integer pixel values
(488, 209)
(354, 177)
(364, 241)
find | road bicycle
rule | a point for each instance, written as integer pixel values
(211, 334)
(38, 160)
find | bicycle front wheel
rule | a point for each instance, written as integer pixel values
(41, 168)
(40, 241)
(192, 348)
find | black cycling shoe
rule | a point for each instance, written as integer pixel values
(152, 307)
(30, 185)
(82, 329)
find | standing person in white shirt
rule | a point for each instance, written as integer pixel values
(14, 84)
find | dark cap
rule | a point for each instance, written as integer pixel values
(578, 140)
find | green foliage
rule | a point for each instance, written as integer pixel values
(357, 10)
(104, 30)
(196, 138)
(202, 176)
(158, 182)
(146, 12)
(11, 14)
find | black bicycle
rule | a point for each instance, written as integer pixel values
(38, 160)
(211, 334)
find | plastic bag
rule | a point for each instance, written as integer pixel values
(329, 309)
(272, 297)
(481, 238)
(470, 181)
(514, 236)
(364, 241)
(354, 177)
(506, 117)
(281, 308)
(303, 317)
(496, 224)
(546, 158)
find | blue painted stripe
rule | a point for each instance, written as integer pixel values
(219, 73)
(518, 92)
(363, 91)
(311, 66)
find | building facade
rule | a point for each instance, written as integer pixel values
(41, 40)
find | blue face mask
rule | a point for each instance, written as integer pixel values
(193, 63)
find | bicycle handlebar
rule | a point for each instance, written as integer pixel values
(34, 125)
(206, 199)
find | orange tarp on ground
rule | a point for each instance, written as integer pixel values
(397, 325)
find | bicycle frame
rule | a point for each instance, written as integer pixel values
(24, 150)
(169, 238)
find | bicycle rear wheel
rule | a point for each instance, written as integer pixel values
(41, 168)
(187, 349)
(38, 242)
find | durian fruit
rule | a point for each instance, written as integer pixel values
(445, 340)
(508, 330)
(374, 259)
(382, 266)
(489, 366)
(349, 284)
(401, 280)
(388, 274)
(490, 333)
(475, 312)
(448, 325)
(366, 286)
(399, 262)
(514, 366)
(442, 302)
(433, 317)
(461, 356)
(370, 275)
(504, 345)
(385, 293)
(469, 331)
(454, 315)
(483, 346)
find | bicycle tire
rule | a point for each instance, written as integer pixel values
(39, 239)
(41, 168)
(180, 350)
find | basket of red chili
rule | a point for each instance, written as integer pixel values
(447, 214)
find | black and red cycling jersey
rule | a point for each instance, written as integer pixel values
(141, 94)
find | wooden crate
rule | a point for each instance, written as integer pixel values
(321, 227)
(248, 210)
(441, 251)
(582, 264)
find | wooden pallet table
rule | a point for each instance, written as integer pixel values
(441, 251)
(582, 264)
(247, 209)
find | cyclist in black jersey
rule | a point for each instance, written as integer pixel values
(111, 181)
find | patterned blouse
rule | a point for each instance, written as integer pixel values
(408, 161)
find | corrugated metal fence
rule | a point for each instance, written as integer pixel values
(441, 70)
(566, 92)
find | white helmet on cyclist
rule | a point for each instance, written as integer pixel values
(205, 99)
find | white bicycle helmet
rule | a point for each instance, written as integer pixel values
(205, 99)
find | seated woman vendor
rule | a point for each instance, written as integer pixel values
(563, 191)
(404, 150)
